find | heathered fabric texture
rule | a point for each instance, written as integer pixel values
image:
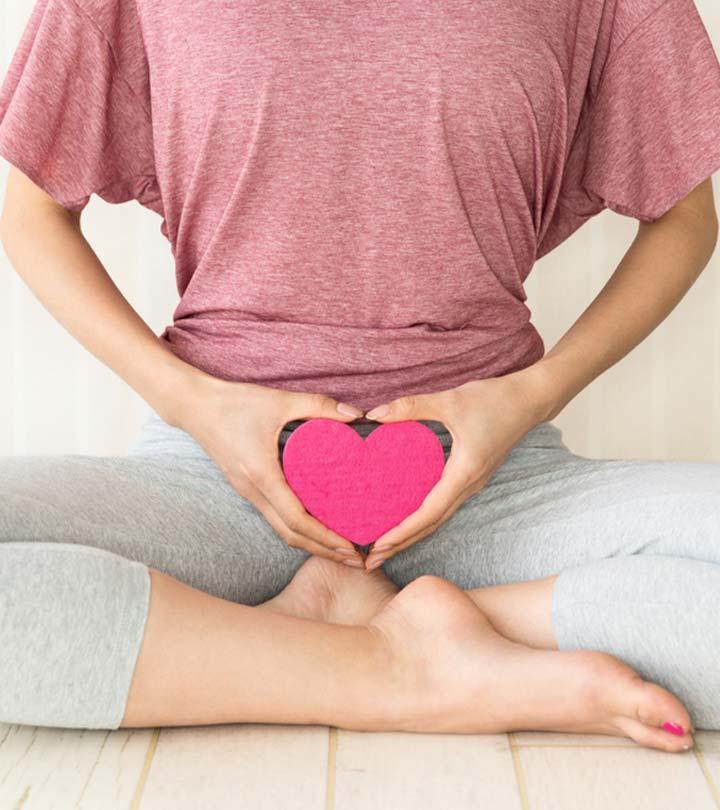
(635, 544)
(354, 193)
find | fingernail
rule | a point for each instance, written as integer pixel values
(383, 547)
(342, 550)
(349, 410)
(381, 410)
(673, 728)
(375, 564)
(353, 563)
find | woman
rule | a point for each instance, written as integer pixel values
(354, 195)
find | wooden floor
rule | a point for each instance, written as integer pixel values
(264, 767)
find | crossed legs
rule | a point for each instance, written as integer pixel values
(522, 612)
(427, 660)
(423, 655)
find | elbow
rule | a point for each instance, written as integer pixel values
(24, 224)
(697, 219)
(24, 206)
(705, 236)
(5, 218)
(713, 232)
(13, 220)
(709, 233)
(17, 208)
(700, 212)
(5, 227)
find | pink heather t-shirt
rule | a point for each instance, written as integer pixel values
(355, 192)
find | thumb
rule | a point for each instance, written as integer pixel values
(307, 406)
(415, 406)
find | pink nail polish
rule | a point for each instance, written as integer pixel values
(673, 728)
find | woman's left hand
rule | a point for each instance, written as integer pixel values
(486, 419)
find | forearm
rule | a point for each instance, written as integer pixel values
(48, 250)
(658, 269)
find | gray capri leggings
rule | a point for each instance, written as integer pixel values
(636, 545)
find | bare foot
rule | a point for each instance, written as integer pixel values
(327, 591)
(451, 671)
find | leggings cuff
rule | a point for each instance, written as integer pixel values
(72, 620)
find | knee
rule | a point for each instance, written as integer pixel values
(670, 507)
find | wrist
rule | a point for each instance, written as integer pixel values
(543, 391)
(189, 394)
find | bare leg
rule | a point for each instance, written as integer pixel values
(433, 616)
(205, 660)
(331, 592)
(429, 661)
(326, 591)
(521, 611)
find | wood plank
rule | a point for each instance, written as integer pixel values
(238, 767)
(49, 768)
(395, 771)
(545, 738)
(707, 750)
(564, 778)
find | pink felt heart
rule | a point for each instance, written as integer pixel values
(361, 488)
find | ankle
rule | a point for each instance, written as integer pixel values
(395, 689)
(373, 696)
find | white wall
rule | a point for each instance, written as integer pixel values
(661, 401)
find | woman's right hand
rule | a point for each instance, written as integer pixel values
(238, 425)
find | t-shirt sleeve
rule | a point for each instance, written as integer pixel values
(655, 122)
(650, 130)
(75, 110)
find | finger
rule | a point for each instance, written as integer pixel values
(308, 406)
(275, 488)
(454, 480)
(454, 506)
(251, 493)
(471, 489)
(383, 556)
(293, 539)
(413, 406)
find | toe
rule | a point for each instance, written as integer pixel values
(652, 737)
(655, 717)
(659, 708)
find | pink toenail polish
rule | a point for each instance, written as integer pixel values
(673, 728)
